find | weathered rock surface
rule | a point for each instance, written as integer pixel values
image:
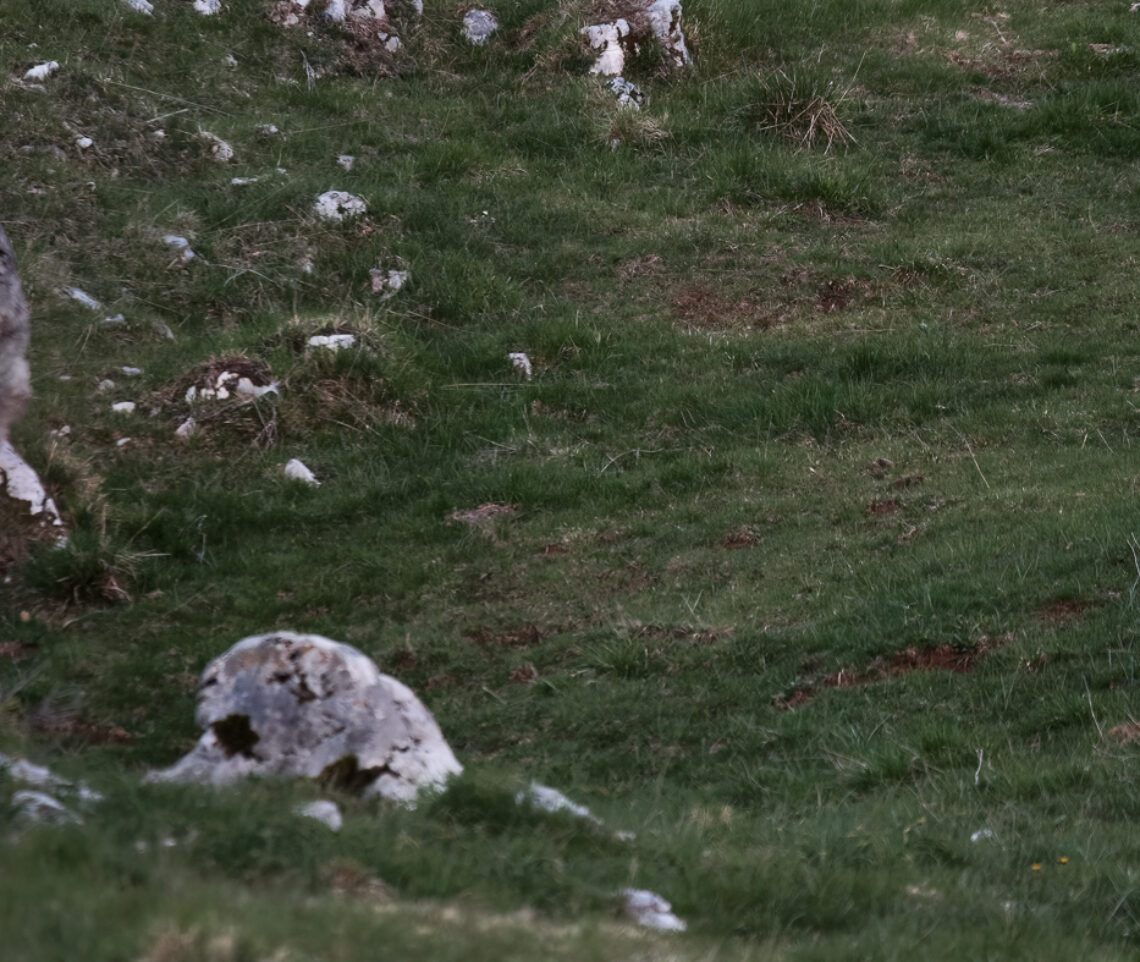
(650, 910)
(641, 21)
(478, 25)
(287, 704)
(15, 386)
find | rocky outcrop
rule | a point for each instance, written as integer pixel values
(15, 386)
(640, 22)
(286, 704)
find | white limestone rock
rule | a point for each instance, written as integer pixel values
(665, 24)
(21, 483)
(41, 807)
(323, 811)
(296, 705)
(221, 151)
(607, 39)
(338, 205)
(332, 342)
(650, 910)
(141, 6)
(41, 71)
(521, 363)
(551, 800)
(296, 470)
(82, 297)
(387, 282)
(628, 94)
(208, 8)
(478, 25)
(180, 246)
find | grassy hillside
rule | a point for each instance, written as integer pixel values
(817, 549)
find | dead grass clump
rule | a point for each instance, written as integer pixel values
(704, 309)
(801, 109)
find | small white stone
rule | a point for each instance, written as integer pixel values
(42, 71)
(338, 205)
(247, 388)
(521, 363)
(83, 142)
(334, 342)
(23, 484)
(123, 407)
(159, 134)
(295, 470)
(478, 25)
(243, 181)
(322, 811)
(346, 161)
(40, 807)
(131, 371)
(387, 283)
(650, 910)
(208, 7)
(112, 321)
(187, 429)
(122, 442)
(60, 433)
(268, 130)
(141, 6)
(229, 60)
(982, 834)
(221, 151)
(607, 37)
(104, 386)
(551, 800)
(180, 245)
(82, 297)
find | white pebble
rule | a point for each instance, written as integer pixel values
(295, 470)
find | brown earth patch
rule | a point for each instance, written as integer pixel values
(554, 549)
(838, 295)
(883, 506)
(639, 267)
(705, 309)
(89, 732)
(742, 537)
(1064, 611)
(483, 514)
(526, 636)
(525, 674)
(1125, 733)
(15, 650)
(904, 662)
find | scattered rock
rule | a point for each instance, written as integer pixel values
(208, 7)
(323, 811)
(21, 483)
(40, 777)
(982, 834)
(347, 161)
(387, 283)
(243, 181)
(83, 142)
(221, 151)
(268, 130)
(141, 6)
(82, 297)
(333, 342)
(338, 205)
(234, 377)
(131, 371)
(521, 363)
(41, 807)
(186, 430)
(41, 71)
(628, 94)
(115, 320)
(607, 38)
(294, 705)
(551, 800)
(181, 246)
(478, 25)
(295, 470)
(665, 25)
(650, 910)
(104, 386)
(123, 407)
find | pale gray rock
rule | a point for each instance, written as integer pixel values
(323, 811)
(478, 25)
(294, 705)
(41, 807)
(19, 481)
(338, 205)
(296, 470)
(650, 910)
(549, 799)
(665, 24)
(15, 383)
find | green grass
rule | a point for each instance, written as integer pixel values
(794, 413)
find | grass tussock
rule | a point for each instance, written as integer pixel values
(801, 109)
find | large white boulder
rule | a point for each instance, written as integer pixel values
(297, 705)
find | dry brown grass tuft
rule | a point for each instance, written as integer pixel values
(802, 110)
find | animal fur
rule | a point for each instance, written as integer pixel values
(15, 386)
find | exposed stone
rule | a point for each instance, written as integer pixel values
(123, 407)
(287, 704)
(551, 800)
(141, 6)
(41, 807)
(521, 363)
(221, 151)
(628, 94)
(333, 342)
(41, 71)
(208, 7)
(180, 245)
(82, 297)
(651, 910)
(323, 811)
(296, 470)
(607, 38)
(665, 25)
(15, 384)
(478, 25)
(387, 282)
(338, 205)
(21, 483)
